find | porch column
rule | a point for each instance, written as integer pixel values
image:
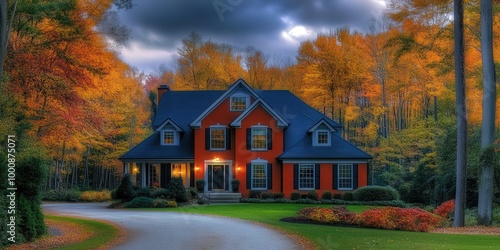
(143, 174)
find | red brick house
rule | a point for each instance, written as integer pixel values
(270, 140)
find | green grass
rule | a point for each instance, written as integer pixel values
(102, 233)
(325, 237)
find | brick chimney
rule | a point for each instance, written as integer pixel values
(162, 90)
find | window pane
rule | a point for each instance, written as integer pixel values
(217, 138)
(306, 176)
(322, 137)
(345, 176)
(238, 103)
(259, 178)
(259, 138)
(168, 137)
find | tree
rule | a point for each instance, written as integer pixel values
(484, 208)
(458, 13)
(5, 26)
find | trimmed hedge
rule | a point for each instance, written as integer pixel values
(140, 202)
(96, 196)
(376, 193)
(71, 195)
(162, 203)
(394, 203)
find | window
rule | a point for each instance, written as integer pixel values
(168, 137)
(217, 138)
(259, 176)
(306, 176)
(239, 103)
(259, 138)
(321, 138)
(345, 176)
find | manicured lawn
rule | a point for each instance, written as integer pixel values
(325, 237)
(102, 233)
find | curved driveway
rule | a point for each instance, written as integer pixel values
(171, 230)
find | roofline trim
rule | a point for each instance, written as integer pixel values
(322, 121)
(281, 121)
(172, 123)
(240, 82)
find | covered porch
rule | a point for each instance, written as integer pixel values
(159, 173)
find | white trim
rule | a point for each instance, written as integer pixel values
(239, 95)
(197, 122)
(176, 137)
(338, 177)
(239, 119)
(313, 178)
(322, 121)
(306, 161)
(251, 137)
(315, 141)
(219, 162)
(218, 127)
(171, 122)
(258, 162)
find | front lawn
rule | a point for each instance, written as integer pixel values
(325, 237)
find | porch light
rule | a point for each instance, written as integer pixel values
(196, 168)
(217, 159)
(238, 168)
(135, 170)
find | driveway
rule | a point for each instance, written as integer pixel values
(170, 230)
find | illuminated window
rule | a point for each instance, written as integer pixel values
(217, 138)
(239, 103)
(259, 138)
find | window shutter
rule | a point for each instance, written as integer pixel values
(249, 138)
(269, 138)
(228, 138)
(269, 176)
(207, 138)
(249, 176)
(316, 176)
(355, 176)
(335, 185)
(163, 176)
(295, 176)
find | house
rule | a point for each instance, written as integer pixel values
(270, 140)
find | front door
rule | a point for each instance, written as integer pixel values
(218, 177)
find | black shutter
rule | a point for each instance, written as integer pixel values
(316, 176)
(207, 138)
(249, 176)
(269, 138)
(269, 176)
(148, 181)
(295, 176)
(335, 185)
(226, 178)
(249, 138)
(163, 176)
(355, 176)
(210, 172)
(228, 138)
(168, 176)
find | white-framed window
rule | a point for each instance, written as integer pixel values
(345, 176)
(259, 138)
(239, 102)
(169, 137)
(322, 138)
(259, 176)
(306, 176)
(217, 138)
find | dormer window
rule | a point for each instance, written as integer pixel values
(321, 138)
(169, 137)
(239, 102)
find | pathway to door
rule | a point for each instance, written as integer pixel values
(170, 230)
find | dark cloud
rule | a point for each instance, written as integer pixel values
(160, 24)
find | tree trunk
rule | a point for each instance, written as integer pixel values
(485, 201)
(86, 169)
(459, 216)
(5, 27)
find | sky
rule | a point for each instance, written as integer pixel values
(276, 27)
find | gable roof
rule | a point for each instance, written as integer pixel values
(240, 83)
(321, 122)
(169, 121)
(259, 102)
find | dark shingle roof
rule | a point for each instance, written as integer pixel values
(183, 107)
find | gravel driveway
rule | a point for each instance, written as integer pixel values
(170, 230)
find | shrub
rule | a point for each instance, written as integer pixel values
(140, 202)
(266, 196)
(278, 196)
(409, 219)
(126, 190)
(313, 195)
(295, 196)
(200, 185)
(96, 196)
(254, 194)
(192, 193)
(162, 203)
(376, 193)
(338, 196)
(113, 194)
(326, 195)
(344, 215)
(177, 190)
(62, 195)
(348, 196)
(143, 192)
(160, 193)
(305, 212)
(446, 209)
